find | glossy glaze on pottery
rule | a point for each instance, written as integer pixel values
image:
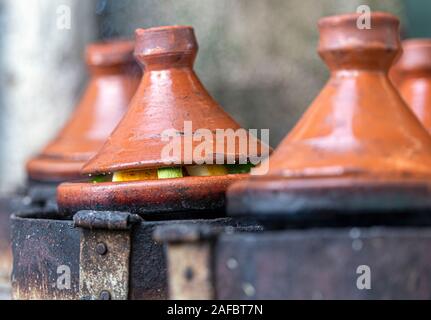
(358, 125)
(357, 133)
(395, 75)
(114, 80)
(205, 195)
(169, 95)
(415, 69)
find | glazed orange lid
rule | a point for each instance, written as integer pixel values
(395, 72)
(358, 136)
(415, 85)
(395, 75)
(358, 124)
(416, 56)
(110, 53)
(170, 98)
(114, 79)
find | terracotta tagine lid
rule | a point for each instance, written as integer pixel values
(415, 87)
(357, 148)
(395, 75)
(114, 79)
(143, 176)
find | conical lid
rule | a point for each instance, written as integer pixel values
(358, 124)
(170, 100)
(114, 79)
(170, 97)
(358, 131)
(415, 70)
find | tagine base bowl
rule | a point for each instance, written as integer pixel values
(350, 201)
(188, 197)
(53, 170)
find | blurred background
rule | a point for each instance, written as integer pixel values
(257, 58)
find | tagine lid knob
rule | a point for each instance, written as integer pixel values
(416, 56)
(171, 98)
(110, 53)
(347, 41)
(348, 31)
(167, 40)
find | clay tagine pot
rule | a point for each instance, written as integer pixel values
(358, 148)
(395, 75)
(114, 79)
(415, 87)
(140, 176)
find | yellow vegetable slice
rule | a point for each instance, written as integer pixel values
(138, 175)
(207, 171)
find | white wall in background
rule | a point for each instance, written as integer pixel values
(41, 73)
